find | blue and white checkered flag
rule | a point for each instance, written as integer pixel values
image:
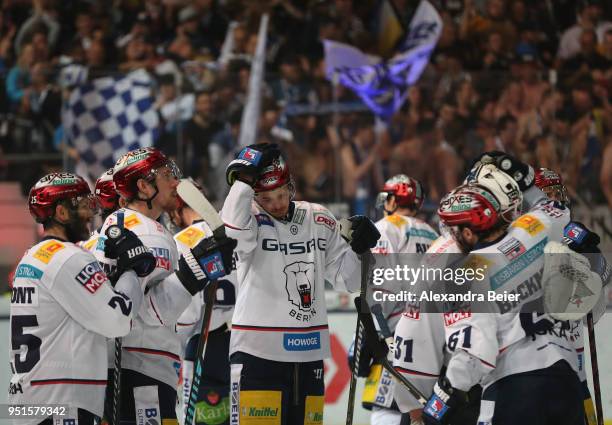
(109, 116)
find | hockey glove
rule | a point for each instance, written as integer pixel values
(250, 161)
(363, 234)
(124, 246)
(443, 403)
(584, 241)
(208, 260)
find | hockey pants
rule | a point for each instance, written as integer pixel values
(213, 395)
(84, 418)
(551, 396)
(282, 393)
(143, 399)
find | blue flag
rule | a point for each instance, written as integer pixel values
(383, 85)
(109, 116)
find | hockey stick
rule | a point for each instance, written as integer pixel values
(595, 369)
(198, 202)
(365, 268)
(116, 412)
(379, 349)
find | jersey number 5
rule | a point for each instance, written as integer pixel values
(19, 339)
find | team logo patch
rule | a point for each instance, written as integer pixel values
(512, 248)
(46, 252)
(131, 221)
(396, 220)
(250, 155)
(452, 318)
(313, 411)
(261, 407)
(325, 220)
(114, 232)
(436, 407)
(91, 277)
(529, 223)
(190, 236)
(574, 233)
(300, 284)
(213, 266)
(162, 257)
(213, 410)
(28, 271)
(302, 342)
(293, 229)
(263, 220)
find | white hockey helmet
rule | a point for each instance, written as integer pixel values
(503, 187)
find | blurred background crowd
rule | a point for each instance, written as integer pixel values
(533, 78)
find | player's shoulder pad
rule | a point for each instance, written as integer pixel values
(320, 215)
(546, 216)
(191, 235)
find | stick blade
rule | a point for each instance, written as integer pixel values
(198, 202)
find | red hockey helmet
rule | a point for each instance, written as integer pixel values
(51, 189)
(408, 192)
(138, 164)
(472, 206)
(105, 192)
(551, 183)
(273, 176)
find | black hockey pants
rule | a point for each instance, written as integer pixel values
(283, 393)
(551, 396)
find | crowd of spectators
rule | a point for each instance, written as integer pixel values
(533, 78)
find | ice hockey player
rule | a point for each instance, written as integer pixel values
(419, 335)
(286, 251)
(581, 240)
(107, 199)
(213, 398)
(525, 362)
(63, 308)
(147, 180)
(401, 233)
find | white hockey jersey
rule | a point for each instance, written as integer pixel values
(282, 267)
(63, 309)
(401, 235)
(153, 346)
(189, 322)
(499, 338)
(419, 335)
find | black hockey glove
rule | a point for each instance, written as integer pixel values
(363, 234)
(208, 260)
(250, 161)
(522, 173)
(124, 246)
(443, 403)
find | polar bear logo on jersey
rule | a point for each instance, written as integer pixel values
(299, 284)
